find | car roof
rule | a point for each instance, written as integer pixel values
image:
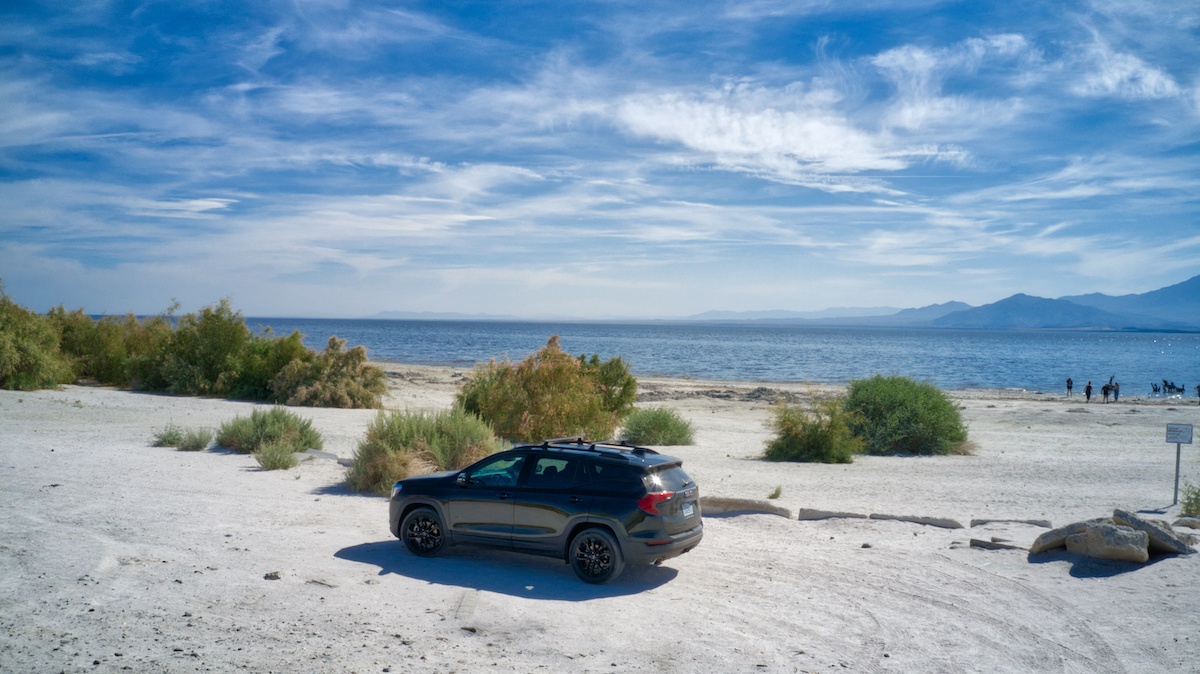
(618, 450)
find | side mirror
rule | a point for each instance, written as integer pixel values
(463, 480)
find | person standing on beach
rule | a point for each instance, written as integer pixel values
(1104, 391)
(1087, 391)
(1069, 385)
(1116, 390)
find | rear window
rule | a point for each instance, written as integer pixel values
(613, 477)
(668, 479)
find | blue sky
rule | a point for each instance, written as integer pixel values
(594, 159)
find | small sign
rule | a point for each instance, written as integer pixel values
(1180, 434)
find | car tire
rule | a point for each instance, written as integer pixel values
(595, 556)
(422, 532)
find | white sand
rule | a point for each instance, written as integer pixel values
(115, 555)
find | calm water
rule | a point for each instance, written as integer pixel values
(951, 359)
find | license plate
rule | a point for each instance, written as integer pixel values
(688, 509)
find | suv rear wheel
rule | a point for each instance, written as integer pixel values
(595, 556)
(421, 532)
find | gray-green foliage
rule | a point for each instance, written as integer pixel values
(657, 426)
(275, 455)
(898, 415)
(400, 444)
(185, 439)
(1190, 505)
(30, 358)
(276, 425)
(821, 436)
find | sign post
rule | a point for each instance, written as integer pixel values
(1180, 434)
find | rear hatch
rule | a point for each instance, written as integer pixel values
(674, 496)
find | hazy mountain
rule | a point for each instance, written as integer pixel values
(781, 315)
(1179, 303)
(1024, 311)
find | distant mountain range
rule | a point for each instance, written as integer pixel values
(1175, 307)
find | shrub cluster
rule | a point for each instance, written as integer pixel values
(30, 357)
(277, 425)
(898, 415)
(188, 440)
(211, 352)
(400, 444)
(657, 426)
(550, 394)
(820, 436)
(880, 415)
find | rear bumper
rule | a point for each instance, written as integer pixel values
(645, 550)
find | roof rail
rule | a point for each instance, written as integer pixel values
(620, 445)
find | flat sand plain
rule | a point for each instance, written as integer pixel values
(118, 556)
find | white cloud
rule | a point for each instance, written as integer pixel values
(1121, 75)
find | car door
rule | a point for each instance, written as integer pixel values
(480, 510)
(547, 503)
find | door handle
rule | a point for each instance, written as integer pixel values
(502, 495)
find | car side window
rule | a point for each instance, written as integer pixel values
(501, 471)
(613, 478)
(553, 472)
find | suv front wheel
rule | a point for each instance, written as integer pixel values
(595, 556)
(422, 533)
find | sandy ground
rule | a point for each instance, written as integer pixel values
(115, 555)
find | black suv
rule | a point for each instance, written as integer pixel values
(596, 505)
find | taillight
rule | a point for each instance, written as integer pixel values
(649, 502)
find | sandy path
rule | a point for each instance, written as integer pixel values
(115, 555)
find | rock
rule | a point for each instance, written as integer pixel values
(1111, 541)
(273, 575)
(1162, 539)
(1037, 523)
(942, 522)
(1189, 522)
(717, 505)
(811, 514)
(1056, 538)
(993, 545)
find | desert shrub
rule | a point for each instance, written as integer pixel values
(201, 355)
(258, 365)
(898, 415)
(30, 358)
(657, 426)
(336, 377)
(249, 434)
(171, 436)
(145, 340)
(400, 444)
(188, 440)
(616, 386)
(1190, 505)
(776, 492)
(549, 394)
(195, 439)
(820, 436)
(276, 455)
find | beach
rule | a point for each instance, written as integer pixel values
(119, 556)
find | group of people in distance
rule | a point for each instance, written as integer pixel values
(1112, 388)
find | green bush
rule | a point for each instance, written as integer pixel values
(276, 455)
(657, 426)
(195, 440)
(30, 358)
(334, 378)
(897, 415)
(400, 444)
(171, 436)
(1190, 506)
(550, 394)
(189, 440)
(822, 436)
(249, 434)
(776, 492)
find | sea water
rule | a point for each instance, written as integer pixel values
(1038, 360)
